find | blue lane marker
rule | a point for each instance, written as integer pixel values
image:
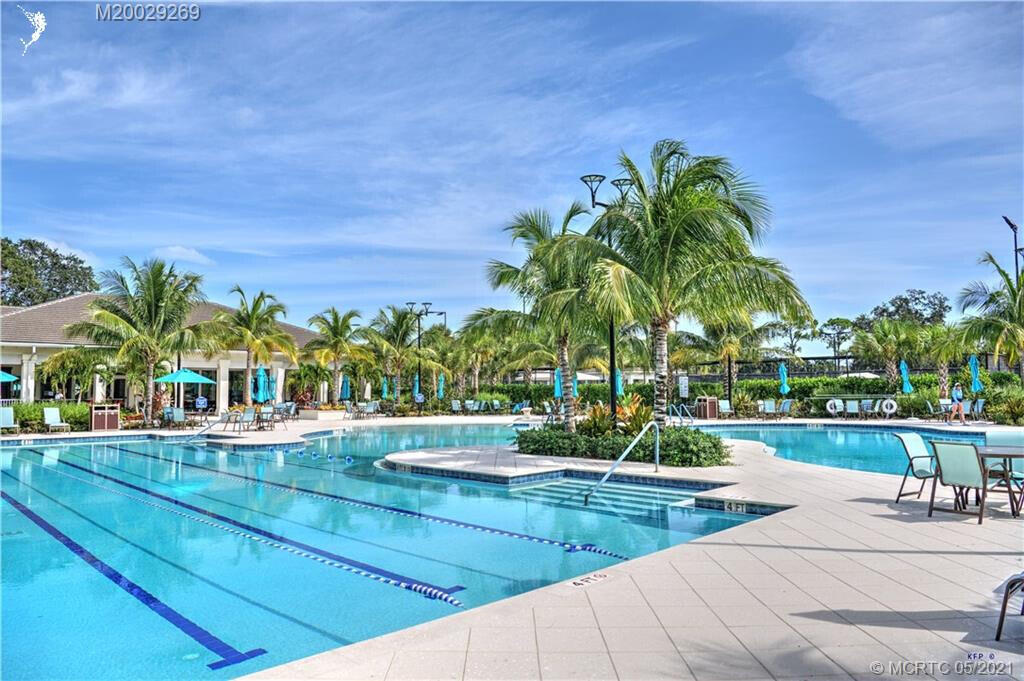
(568, 546)
(227, 653)
(360, 568)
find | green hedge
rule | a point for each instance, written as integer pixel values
(679, 446)
(30, 416)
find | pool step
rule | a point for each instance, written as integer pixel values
(619, 498)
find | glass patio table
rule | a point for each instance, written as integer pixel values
(1008, 455)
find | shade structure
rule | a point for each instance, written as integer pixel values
(261, 387)
(620, 391)
(783, 379)
(575, 388)
(905, 373)
(179, 376)
(6, 377)
(416, 385)
(976, 385)
(346, 389)
(440, 387)
(558, 384)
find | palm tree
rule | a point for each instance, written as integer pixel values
(308, 378)
(392, 335)
(336, 343)
(942, 344)
(254, 326)
(887, 341)
(553, 286)
(732, 340)
(682, 239)
(999, 321)
(144, 317)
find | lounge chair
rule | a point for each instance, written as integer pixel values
(247, 419)
(769, 409)
(945, 406)
(978, 412)
(934, 413)
(920, 462)
(7, 421)
(178, 418)
(725, 409)
(786, 409)
(1010, 587)
(852, 408)
(496, 404)
(959, 465)
(456, 407)
(51, 419)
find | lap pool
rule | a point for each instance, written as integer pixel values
(152, 560)
(864, 448)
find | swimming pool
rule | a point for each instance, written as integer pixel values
(145, 560)
(863, 448)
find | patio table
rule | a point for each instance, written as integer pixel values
(1008, 455)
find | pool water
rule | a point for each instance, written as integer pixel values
(864, 448)
(148, 560)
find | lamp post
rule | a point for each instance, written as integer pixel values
(420, 314)
(623, 185)
(1016, 250)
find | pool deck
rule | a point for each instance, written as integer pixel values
(842, 579)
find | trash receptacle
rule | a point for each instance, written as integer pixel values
(105, 417)
(707, 407)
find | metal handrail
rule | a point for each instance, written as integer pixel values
(679, 409)
(207, 428)
(657, 457)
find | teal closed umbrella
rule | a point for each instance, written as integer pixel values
(905, 373)
(783, 378)
(416, 385)
(558, 384)
(262, 392)
(619, 390)
(575, 387)
(440, 387)
(384, 388)
(976, 385)
(346, 389)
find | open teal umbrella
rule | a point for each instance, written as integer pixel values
(575, 387)
(6, 377)
(905, 373)
(558, 384)
(440, 387)
(384, 387)
(783, 378)
(619, 390)
(346, 389)
(976, 385)
(179, 376)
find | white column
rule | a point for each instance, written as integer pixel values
(323, 392)
(28, 378)
(223, 365)
(279, 386)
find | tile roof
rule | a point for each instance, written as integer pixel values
(44, 324)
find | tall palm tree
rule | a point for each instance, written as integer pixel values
(887, 341)
(730, 341)
(392, 335)
(144, 315)
(999, 320)
(336, 343)
(553, 286)
(308, 378)
(942, 344)
(682, 240)
(254, 326)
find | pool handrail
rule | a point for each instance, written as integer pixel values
(677, 410)
(625, 453)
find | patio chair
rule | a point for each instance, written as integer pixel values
(786, 409)
(456, 407)
(7, 421)
(51, 419)
(1005, 438)
(960, 466)
(247, 419)
(920, 463)
(769, 409)
(1010, 587)
(852, 408)
(725, 409)
(933, 413)
(945, 406)
(760, 408)
(178, 418)
(978, 412)
(470, 406)
(496, 404)
(281, 414)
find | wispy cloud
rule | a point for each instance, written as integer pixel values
(182, 254)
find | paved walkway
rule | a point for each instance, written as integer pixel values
(844, 579)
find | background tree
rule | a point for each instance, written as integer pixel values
(793, 334)
(888, 341)
(254, 326)
(392, 335)
(941, 344)
(144, 317)
(999, 318)
(336, 342)
(914, 306)
(34, 273)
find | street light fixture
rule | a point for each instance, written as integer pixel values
(593, 182)
(1016, 250)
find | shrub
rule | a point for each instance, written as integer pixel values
(1009, 406)
(679, 446)
(30, 415)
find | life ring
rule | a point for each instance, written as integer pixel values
(832, 407)
(889, 407)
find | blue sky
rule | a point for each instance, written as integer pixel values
(359, 155)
